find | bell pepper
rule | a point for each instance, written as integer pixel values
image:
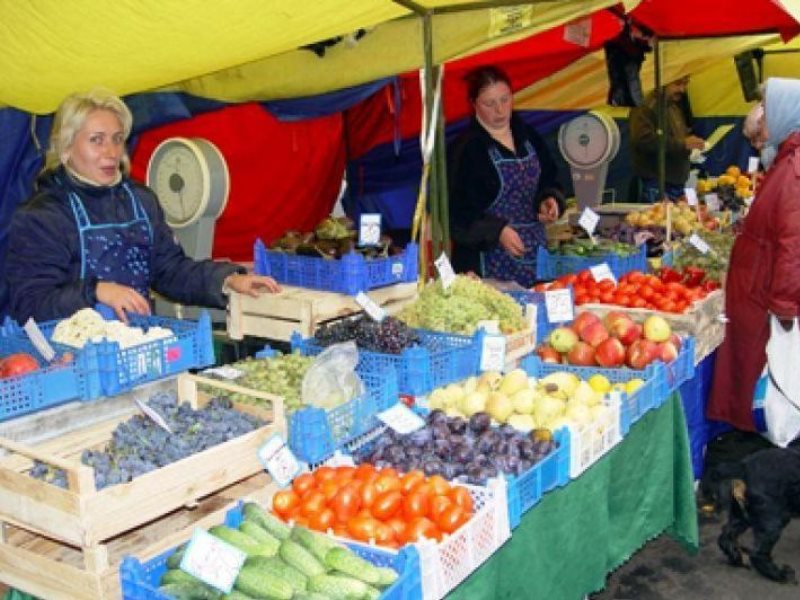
(710, 285)
(693, 276)
(668, 275)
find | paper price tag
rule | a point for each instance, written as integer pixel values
(38, 340)
(752, 164)
(402, 419)
(213, 561)
(589, 220)
(532, 314)
(279, 461)
(153, 414)
(375, 312)
(712, 202)
(699, 243)
(691, 196)
(446, 273)
(397, 269)
(601, 272)
(493, 353)
(225, 371)
(559, 306)
(369, 229)
(490, 327)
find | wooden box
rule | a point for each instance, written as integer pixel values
(84, 516)
(277, 316)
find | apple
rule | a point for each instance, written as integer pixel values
(610, 353)
(626, 330)
(641, 353)
(562, 339)
(17, 364)
(583, 319)
(594, 333)
(611, 318)
(581, 354)
(656, 329)
(676, 340)
(548, 354)
(667, 352)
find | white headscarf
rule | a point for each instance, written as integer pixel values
(782, 108)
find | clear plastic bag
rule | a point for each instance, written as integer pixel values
(331, 380)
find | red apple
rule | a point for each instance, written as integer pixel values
(610, 353)
(625, 330)
(667, 352)
(548, 354)
(676, 340)
(583, 319)
(17, 364)
(641, 353)
(611, 318)
(594, 333)
(581, 354)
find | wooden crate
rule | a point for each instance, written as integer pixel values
(84, 516)
(277, 316)
(53, 570)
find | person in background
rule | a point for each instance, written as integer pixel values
(754, 130)
(503, 185)
(89, 234)
(764, 271)
(679, 143)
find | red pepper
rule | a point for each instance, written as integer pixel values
(710, 285)
(668, 275)
(693, 276)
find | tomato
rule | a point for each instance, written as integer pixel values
(345, 473)
(322, 520)
(410, 480)
(461, 496)
(389, 471)
(581, 299)
(300, 521)
(681, 305)
(622, 299)
(362, 528)
(313, 502)
(439, 484)
(585, 276)
(451, 519)
(645, 292)
(541, 287)
(324, 473)
(303, 483)
(634, 276)
(368, 494)
(607, 297)
(556, 285)
(354, 484)
(606, 285)
(365, 472)
(668, 306)
(568, 279)
(346, 504)
(438, 505)
(416, 504)
(330, 489)
(386, 482)
(638, 303)
(384, 534)
(387, 505)
(422, 527)
(284, 502)
(17, 364)
(398, 525)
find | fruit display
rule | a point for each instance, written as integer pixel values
(139, 445)
(459, 448)
(732, 188)
(282, 563)
(332, 238)
(390, 336)
(587, 248)
(461, 307)
(17, 364)
(714, 262)
(372, 504)
(685, 219)
(88, 325)
(612, 342)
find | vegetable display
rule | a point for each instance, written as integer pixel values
(588, 248)
(88, 325)
(714, 262)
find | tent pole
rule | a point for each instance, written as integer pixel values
(444, 198)
(660, 121)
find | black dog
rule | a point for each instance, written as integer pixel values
(765, 495)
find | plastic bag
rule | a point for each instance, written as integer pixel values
(331, 380)
(778, 389)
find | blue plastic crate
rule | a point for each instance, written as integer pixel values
(439, 359)
(682, 368)
(526, 490)
(50, 385)
(551, 266)
(350, 274)
(543, 325)
(139, 581)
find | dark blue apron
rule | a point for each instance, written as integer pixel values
(117, 252)
(519, 180)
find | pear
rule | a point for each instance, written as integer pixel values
(513, 382)
(499, 406)
(523, 401)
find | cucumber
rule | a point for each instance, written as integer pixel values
(310, 596)
(300, 558)
(188, 591)
(174, 560)
(237, 595)
(372, 593)
(314, 542)
(338, 587)
(201, 589)
(346, 562)
(267, 520)
(263, 585)
(260, 535)
(276, 566)
(387, 576)
(240, 540)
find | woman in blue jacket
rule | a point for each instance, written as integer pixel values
(90, 234)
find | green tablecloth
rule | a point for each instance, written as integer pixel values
(565, 545)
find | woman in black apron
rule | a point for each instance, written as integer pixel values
(91, 235)
(503, 186)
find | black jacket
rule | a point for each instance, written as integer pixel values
(473, 184)
(44, 256)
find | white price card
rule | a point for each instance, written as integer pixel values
(601, 272)
(493, 353)
(699, 243)
(589, 220)
(691, 195)
(532, 314)
(397, 269)
(153, 414)
(212, 561)
(489, 326)
(375, 312)
(279, 460)
(402, 419)
(369, 229)
(38, 340)
(559, 306)
(712, 202)
(752, 164)
(446, 273)
(225, 371)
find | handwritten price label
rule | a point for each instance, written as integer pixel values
(279, 461)
(401, 419)
(369, 230)
(493, 353)
(559, 306)
(213, 561)
(601, 272)
(589, 220)
(375, 312)
(712, 202)
(446, 273)
(699, 243)
(691, 196)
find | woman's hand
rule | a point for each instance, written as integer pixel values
(548, 210)
(511, 242)
(122, 299)
(692, 142)
(250, 284)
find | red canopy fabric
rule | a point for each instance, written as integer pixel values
(713, 18)
(283, 175)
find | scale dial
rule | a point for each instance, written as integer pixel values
(589, 140)
(190, 178)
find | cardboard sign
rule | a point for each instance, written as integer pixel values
(589, 220)
(401, 419)
(601, 272)
(279, 460)
(493, 353)
(212, 561)
(375, 312)
(559, 306)
(446, 273)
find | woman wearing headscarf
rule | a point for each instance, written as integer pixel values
(764, 273)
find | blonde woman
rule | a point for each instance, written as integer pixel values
(90, 234)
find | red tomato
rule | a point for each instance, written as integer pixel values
(368, 494)
(389, 471)
(17, 364)
(416, 504)
(585, 276)
(313, 502)
(384, 535)
(622, 299)
(322, 520)
(365, 472)
(362, 528)
(303, 483)
(387, 505)
(422, 527)
(581, 299)
(440, 485)
(606, 285)
(461, 496)
(645, 292)
(386, 482)
(324, 473)
(410, 480)
(541, 287)
(638, 303)
(345, 473)
(346, 504)
(556, 285)
(451, 519)
(607, 297)
(634, 276)
(330, 489)
(284, 502)
(568, 279)
(398, 525)
(438, 505)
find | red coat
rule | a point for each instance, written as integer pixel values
(763, 278)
